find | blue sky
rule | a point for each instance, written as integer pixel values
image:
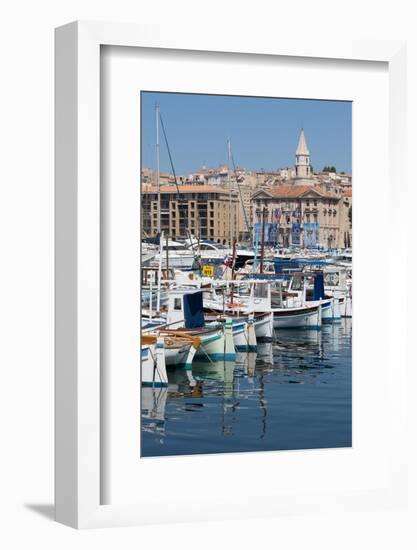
(263, 131)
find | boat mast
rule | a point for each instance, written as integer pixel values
(230, 194)
(248, 227)
(158, 299)
(157, 168)
(261, 269)
(233, 271)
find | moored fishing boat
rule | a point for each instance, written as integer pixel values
(264, 326)
(153, 367)
(306, 317)
(185, 316)
(243, 329)
(336, 285)
(179, 348)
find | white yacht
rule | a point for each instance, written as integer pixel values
(208, 250)
(179, 256)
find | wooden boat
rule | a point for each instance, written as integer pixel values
(185, 315)
(179, 348)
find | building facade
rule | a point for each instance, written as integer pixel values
(203, 211)
(308, 210)
(303, 216)
(300, 207)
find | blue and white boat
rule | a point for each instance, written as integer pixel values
(153, 367)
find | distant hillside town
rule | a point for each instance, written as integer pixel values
(291, 206)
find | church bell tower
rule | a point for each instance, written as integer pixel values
(302, 159)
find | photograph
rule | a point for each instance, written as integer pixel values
(246, 273)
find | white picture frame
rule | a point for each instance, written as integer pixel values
(78, 321)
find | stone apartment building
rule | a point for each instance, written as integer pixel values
(204, 211)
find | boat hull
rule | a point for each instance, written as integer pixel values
(264, 327)
(239, 336)
(177, 261)
(177, 356)
(308, 317)
(213, 346)
(153, 369)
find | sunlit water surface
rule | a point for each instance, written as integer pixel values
(293, 394)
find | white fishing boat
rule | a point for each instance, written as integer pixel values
(306, 317)
(244, 335)
(185, 316)
(179, 348)
(256, 301)
(153, 367)
(176, 355)
(308, 288)
(336, 285)
(240, 338)
(264, 327)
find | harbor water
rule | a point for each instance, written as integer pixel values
(294, 393)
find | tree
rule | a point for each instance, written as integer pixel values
(329, 169)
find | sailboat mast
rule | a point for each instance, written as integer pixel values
(157, 168)
(230, 193)
(263, 240)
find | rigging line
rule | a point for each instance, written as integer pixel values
(241, 198)
(169, 153)
(176, 182)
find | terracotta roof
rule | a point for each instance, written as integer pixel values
(187, 189)
(347, 193)
(295, 192)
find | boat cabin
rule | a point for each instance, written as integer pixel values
(185, 309)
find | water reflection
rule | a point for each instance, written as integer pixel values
(293, 393)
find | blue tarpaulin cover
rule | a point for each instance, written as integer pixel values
(318, 293)
(193, 310)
